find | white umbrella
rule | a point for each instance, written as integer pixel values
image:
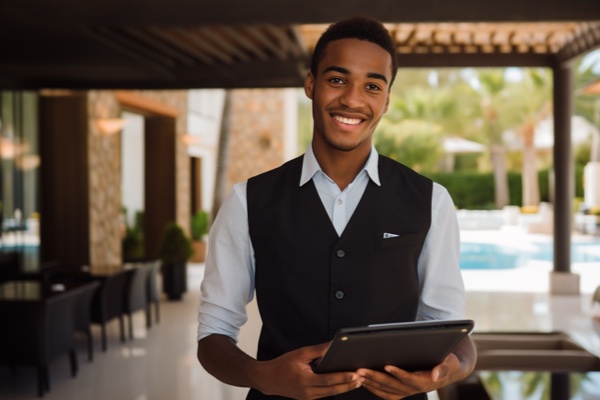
(456, 145)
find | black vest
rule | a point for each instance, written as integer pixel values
(310, 282)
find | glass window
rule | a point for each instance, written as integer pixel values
(19, 165)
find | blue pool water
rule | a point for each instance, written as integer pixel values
(497, 256)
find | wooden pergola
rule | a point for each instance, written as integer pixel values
(267, 43)
(171, 44)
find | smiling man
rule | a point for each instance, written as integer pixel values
(338, 237)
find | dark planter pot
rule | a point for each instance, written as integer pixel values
(174, 280)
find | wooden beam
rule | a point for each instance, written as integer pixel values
(148, 37)
(180, 42)
(144, 104)
(135, 46)
(219, 40)
(142, 58)
(586, 39)
(285, 41)
(239, 12)
(255, 32)
(198, 40)
(299, 41)
(474, 60)
(243, 41)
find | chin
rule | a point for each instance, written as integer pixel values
(343, 146)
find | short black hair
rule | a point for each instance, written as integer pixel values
(359, 27)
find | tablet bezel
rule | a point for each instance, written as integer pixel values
(412, 346)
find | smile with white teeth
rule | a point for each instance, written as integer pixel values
(348, 121)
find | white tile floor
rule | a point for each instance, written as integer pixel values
(160, 363)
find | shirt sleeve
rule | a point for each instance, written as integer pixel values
(228, 283)
(440, 278)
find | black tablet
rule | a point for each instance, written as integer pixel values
(413, 346)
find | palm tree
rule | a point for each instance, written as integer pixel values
(494, 99)
(586, 104)
(420, 116)
(223, 154)
(533, 101)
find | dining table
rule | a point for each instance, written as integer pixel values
(38, 320)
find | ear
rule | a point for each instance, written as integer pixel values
(387, 103)
(309, 85)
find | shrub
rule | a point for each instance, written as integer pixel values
(199, 225)
(175, 247)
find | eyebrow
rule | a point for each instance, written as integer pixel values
(341, 70)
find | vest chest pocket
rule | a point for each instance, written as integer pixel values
(403, 240)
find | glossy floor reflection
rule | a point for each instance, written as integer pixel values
(518, 385)
(160, 363)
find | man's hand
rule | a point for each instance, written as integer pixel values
(398, 383)
(291, 375)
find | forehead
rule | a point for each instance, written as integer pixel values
(358, 56)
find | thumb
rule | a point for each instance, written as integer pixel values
(316, 351)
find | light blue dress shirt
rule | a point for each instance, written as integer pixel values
(228, 284)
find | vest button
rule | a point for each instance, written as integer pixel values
(340, 253)
(339, 295)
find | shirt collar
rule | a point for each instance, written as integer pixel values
(310, 166)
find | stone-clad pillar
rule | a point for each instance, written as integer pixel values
(104, 168)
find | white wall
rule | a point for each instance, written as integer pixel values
(132, 165)
(204, 122)
(290, 144)
(205, 109)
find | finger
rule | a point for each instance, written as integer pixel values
(444, 369)
(406, 376)
(388, 392)
(382, 394)
(332, 387)
(397, 381)
(378, 380)
(336, 378)
(384, 391)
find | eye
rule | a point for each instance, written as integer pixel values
(336, 81)
(373, 87)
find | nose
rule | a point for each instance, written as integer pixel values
(352, 97)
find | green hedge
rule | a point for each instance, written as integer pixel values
(475, 190)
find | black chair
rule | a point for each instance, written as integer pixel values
(153, 293)
(9, 266)
(53, 273)
(38, 333)
(135, 298)
(83, 314)
(107, 303)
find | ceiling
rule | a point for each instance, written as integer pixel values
(169, 44)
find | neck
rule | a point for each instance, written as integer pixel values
(341, 166)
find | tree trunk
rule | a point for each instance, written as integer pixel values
(530, 183)
(501, 194)
(595, 150)
(222, 156)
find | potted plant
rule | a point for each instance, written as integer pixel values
(174, 251)
(133, 241)
(199, 230)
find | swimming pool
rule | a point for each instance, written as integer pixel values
(498, 256)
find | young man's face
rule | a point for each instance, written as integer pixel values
(350, 93)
